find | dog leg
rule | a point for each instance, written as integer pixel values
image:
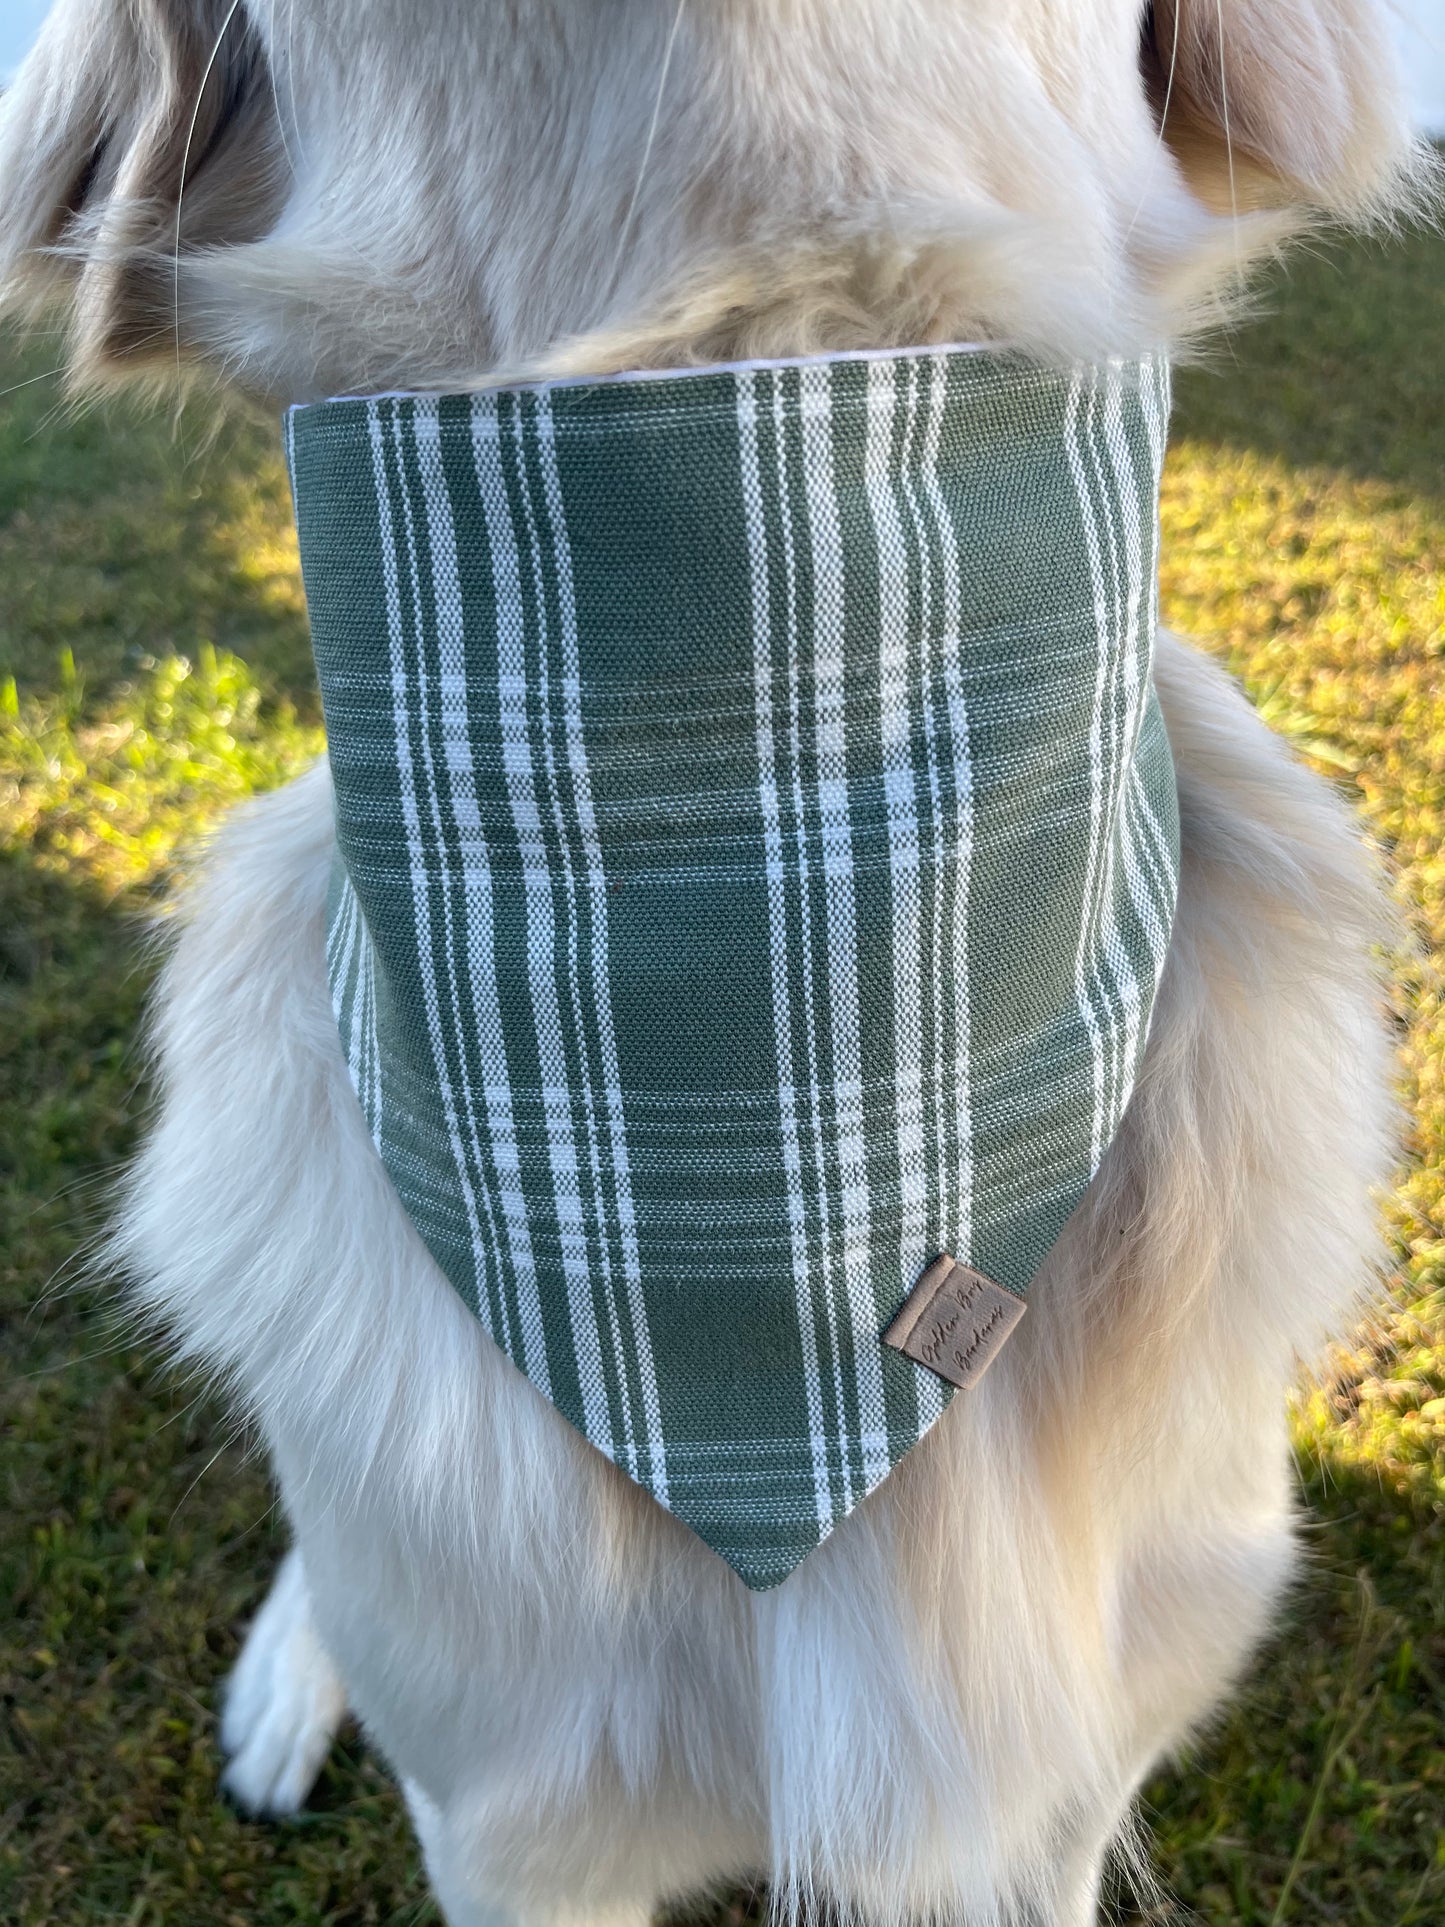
(1075, 1890)
(464, 1900)
(1075, 1901)
(284, 1703)
(473, 1912)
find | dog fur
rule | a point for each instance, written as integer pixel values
(946, 1710)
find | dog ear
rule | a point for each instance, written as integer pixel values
(138, 131)
(1270, 101)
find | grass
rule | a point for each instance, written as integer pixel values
(153, 667)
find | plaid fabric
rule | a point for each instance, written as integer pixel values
(758, 848)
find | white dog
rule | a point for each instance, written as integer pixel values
(947, 1709)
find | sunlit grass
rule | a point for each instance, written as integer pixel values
(1320, 580)
(153, 669)
(1325, 591)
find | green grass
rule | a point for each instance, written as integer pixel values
(152, 624)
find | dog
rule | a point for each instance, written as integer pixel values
(947, 1709)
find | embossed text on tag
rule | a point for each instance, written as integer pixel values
(954, 1321)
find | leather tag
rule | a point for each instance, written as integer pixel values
(954, 1321)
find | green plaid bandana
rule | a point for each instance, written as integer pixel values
(757, 854)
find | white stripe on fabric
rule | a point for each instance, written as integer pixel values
(338, 937)
(542, 745)
(447, 771)
(1126, 712)
(373, 1046)
(350, 944)
(817, 1142)
(506, 1209)
(339, 965)
(411, 817)
(831, 746)
(377, 1077)
(1136, 646)
(354, 971)
(1083, 962)
(436, 766)
(517, 762)
(1153, 848)
(1131, 603)
(1154, 391)
(1113, 952)
(601, 984)
(949, 645)
(341, 962)
(777, 919)
(895, 729)
(925, 626)
(1153, 402)
(1099, 911)
(1155, 386)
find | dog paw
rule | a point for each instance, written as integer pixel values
(284, 1703)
